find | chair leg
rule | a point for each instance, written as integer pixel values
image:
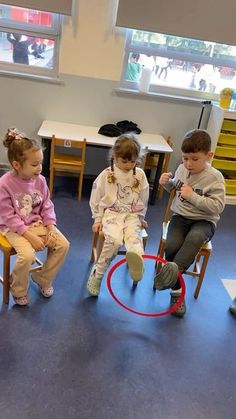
(51, 181)
(160, 253)
(144, 242)
(100, 244)
(160, 192)
(202, 273)
(93, 256)
(80, 184)
(6, 277)
(196, 262)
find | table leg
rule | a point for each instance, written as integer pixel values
(157, 177)
(46, 144)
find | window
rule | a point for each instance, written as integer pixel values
(179, 66)
(29, 41)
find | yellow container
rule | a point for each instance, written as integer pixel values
(230, 186)
(225, 102)
(227, 139)
(225, 97)
(223, 164)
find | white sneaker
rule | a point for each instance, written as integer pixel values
(94, 283)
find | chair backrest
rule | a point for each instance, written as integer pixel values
(151, 161)
(66, 145)
(167, 156)
(170, 200)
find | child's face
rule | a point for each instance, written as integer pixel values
(196, 162)
(31, 167)
(124, 164)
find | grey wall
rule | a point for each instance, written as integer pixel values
(26, 103)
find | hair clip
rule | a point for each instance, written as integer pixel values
(111, 177)
(16, 134)
(136, 184)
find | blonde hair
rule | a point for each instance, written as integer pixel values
(17, 144)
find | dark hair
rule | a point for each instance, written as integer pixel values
(135, 56)
(17, 143)
(197, 140)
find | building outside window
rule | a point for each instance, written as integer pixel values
(179, 66)
(29, 41)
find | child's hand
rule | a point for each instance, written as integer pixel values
(165, 177)
(36, 242)
(97, 227)
(51, 239)
(186, 191)
(144, 224)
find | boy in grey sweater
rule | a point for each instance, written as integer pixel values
(199, 200)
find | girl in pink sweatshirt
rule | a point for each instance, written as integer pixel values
(27, 217)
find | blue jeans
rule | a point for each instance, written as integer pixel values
(184, 240)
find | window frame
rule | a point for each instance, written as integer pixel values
(161, 52)
(37, 31)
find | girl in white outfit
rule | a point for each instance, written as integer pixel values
(119, 202)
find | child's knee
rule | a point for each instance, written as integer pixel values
(112, 242)
(64, 245)
(117, 243)
(197, 238)
(171, 249)
(27, 257)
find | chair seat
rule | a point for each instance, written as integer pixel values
(207, 246)
(4, 243)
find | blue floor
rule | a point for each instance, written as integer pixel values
(78, 357)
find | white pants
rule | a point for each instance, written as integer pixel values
(119, 229)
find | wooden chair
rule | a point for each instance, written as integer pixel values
(8, 251)
(98, 240)
(151, 162)
(67, 164)
(201, 260)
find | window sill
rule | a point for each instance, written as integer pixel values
(164, 96)
(35, 77)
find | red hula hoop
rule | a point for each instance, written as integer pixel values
(141, 313)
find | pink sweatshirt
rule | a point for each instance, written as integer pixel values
(23, 202)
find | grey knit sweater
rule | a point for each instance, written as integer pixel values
(208, 198)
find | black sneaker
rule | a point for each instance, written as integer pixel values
(181, 310)
(232, 308)
(167, 277)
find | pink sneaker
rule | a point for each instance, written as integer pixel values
(47, 292)
(21, 301)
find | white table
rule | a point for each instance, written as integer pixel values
(150, 142)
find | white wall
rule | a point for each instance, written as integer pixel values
(90, 65)
(91, 45)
